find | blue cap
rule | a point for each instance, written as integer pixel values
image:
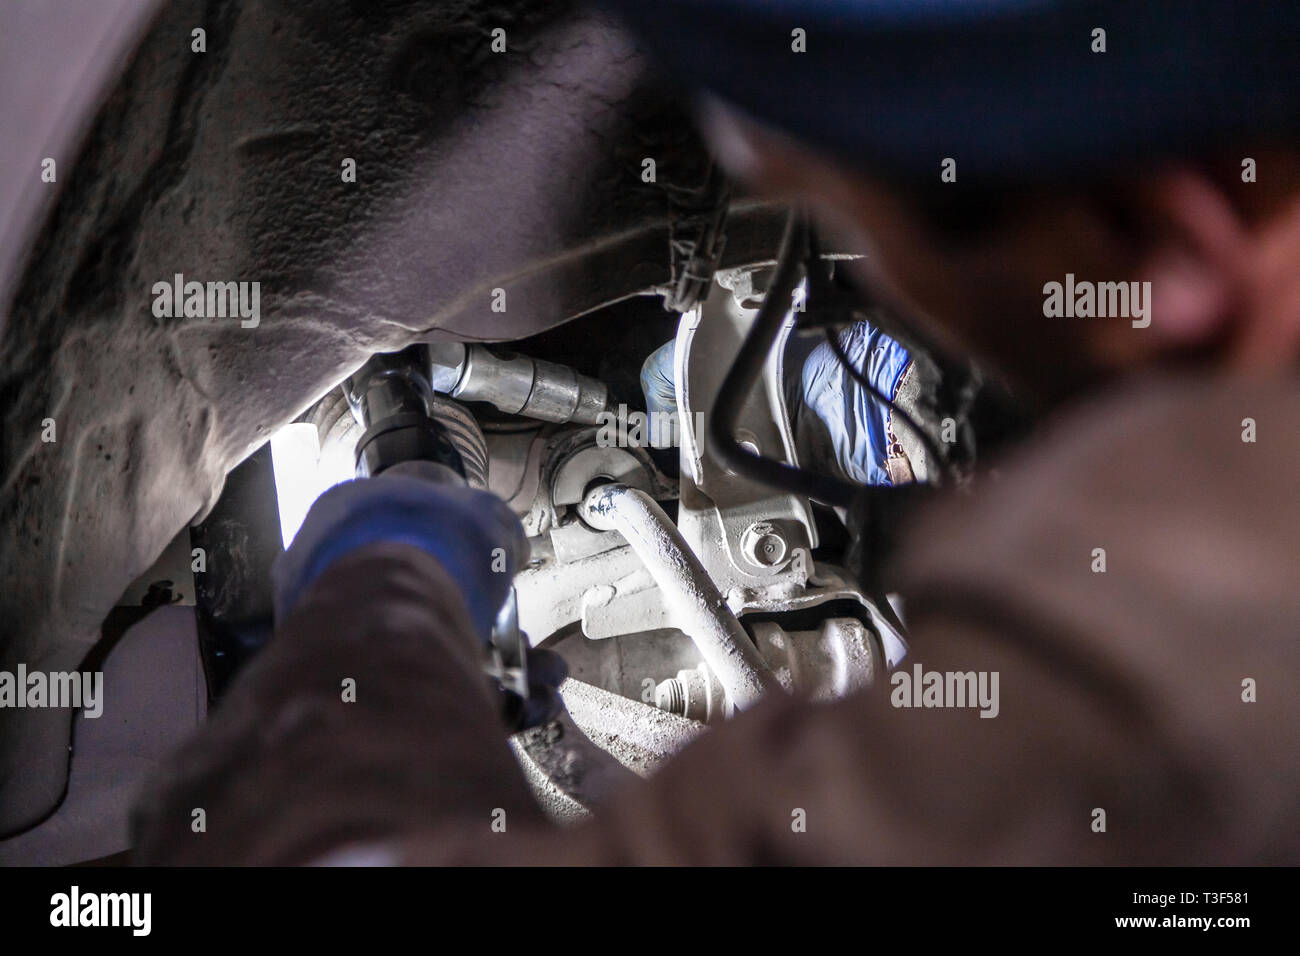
(1013, 90)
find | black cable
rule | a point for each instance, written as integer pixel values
(875, 512)
(747, 368)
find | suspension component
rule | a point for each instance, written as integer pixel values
(693, 598)
(463, 430)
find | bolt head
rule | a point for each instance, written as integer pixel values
(763, 545)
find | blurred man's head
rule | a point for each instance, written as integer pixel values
(1017, 176)
(1222, 258)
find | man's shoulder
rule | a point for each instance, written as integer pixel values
(1168, 485)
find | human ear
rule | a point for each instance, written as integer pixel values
(1196, 260)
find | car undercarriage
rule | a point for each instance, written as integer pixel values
(530, 236)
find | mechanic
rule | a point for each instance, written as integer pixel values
(1148, 702)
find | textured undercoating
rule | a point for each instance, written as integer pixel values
(578, 762)
(638, 736)
(474, 170)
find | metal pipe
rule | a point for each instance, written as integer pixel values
(516, 384)
(692, 597)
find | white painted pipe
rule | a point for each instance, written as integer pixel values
(694, 604)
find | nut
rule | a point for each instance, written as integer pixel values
(763, 545)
